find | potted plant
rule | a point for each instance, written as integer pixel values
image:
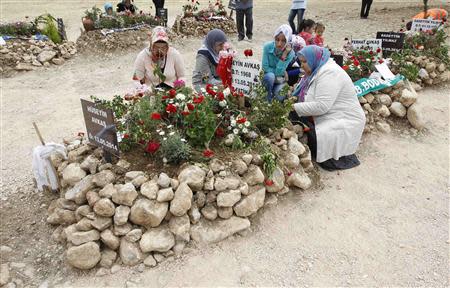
(90, 16)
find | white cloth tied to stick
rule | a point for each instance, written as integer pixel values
(42, 166)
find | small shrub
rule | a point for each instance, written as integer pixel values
(175, 150)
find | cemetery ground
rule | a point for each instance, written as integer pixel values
(382, 223)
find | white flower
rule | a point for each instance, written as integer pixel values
(180, 97)
(157, 130)
(256, 109)
(171, 133)
(244, 130)
(169, 127)
(162, 133)
(233, 123)
(165, 138)
(235, 131)
(226, 92)
(177, 104)
(165, 160)
(171, 101)
(223, 103)
(215, 88)
(183, 140)
(240, 126)
(247, 123)
(229, 127)
(203, 90)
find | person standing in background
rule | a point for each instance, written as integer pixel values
(365, 8)
(159, 4)
(244, 8)
(297, 10)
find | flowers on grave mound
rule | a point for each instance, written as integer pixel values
(214, 10)
(126, 19)
(362, 63)
(190, 8)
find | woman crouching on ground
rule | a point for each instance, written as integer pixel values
(327, 94)
(159, 58)
(205, 71)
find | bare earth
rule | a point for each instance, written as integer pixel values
(384, 223)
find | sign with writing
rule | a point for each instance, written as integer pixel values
(245, 73)
(100, 126)
(365, 86)
(391, 41)
(162, 13)
(366, 44)
(232, 5)
(425, 24)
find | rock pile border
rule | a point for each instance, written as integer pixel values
(190, 26)
(110, 215)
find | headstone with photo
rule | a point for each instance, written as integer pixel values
(245, 73)
(425, 24)
(391, 42)
(366, 44)
(100, 126)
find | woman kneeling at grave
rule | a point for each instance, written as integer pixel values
(159, 61)
(277, 55)
(328, 105)
(205, 71)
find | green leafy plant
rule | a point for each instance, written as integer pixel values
(175, 150)
(18, 29)
(200, 124)
(93, 13)
(268, 156)
(50, 27)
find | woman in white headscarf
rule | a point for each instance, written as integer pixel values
(207, 60)
(277, 55)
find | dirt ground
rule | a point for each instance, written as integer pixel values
(384, 223)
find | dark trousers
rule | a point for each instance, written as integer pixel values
(158, 4)
(248, 14)
(296, 13)
(365, 8)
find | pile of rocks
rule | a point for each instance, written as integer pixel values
(109, 215)
(432, 71)
(398, 102)
(190, 26)
(26, 55)
(96, 43)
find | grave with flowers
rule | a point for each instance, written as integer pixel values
(194, 167)
(121, 31)
(416, 58)
(198, 22)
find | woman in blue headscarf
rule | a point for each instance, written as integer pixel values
(207, 60)
(327, 102)
(108, 9)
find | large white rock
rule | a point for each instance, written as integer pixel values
(228, 198)
(104, 178)
(277, 179)
(213, 232)
(384, 99)
(292, 161)
(193, 176)
(101, 223)
(104, 207)
(253, 176)
(250, 204)
(46, 56)
(165, 195)
(107, 191)
(78, 238)
(415, 117)
(164, 180)
(180, 227)
(133, 174)
(239, 166)
(408, 98)
(295, 146)
(398, 109)
(130, 253)
(125, 195)
(383, 111)
(157, 239)
(85, 256)
(298, 180)
(90, 164)
(78, 192)
(150, 189)
(108, 258)
(110, 240)
(209, 212)
(148, 212)
(73, 173)
(182, 200)
(121, 215)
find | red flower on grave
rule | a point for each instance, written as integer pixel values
(378, 50)
(220, 132)
(248, 52)
(268, 182)
(199, 99)
(345, 67)
(220, 96)
(211, 92)
(306, 129)
(241, 94)
(381, 61)
(172, 93)
(241, 120)
(371, 52)
(356, 62)
(185, 113)
(155, 116)
(170, 108)
(208, 153)
(126, 136)
(152, 147)
(208, 87)
(190, 106)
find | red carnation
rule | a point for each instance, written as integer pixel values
(211, 92)
(208, 87)
(268, 182)
(381, 61)
(185, 113)
(248, 52)
(345, 67)
(241, 94)
(220, 132)
(172, 93)
(152, 147)
(126, 136)
(241, 120)
(190, 106)
(208, 153)
(356, 62)
(371, 52)
(155, 116)
(220, 96)
(198, 100)
(170, 108)
(378, 50)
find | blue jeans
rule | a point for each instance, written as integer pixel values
(299, 13)
(273, 90)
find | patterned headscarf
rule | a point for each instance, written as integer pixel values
(316, 57)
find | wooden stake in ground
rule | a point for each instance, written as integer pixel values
(51, 163)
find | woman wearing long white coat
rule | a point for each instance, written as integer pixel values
(328, 95)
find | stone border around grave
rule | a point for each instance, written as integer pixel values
(190, 26)
(110, 215)
(26, 55)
